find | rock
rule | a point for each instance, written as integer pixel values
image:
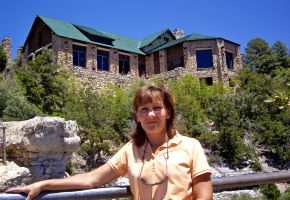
(43, 144)
(227, 195)
(12, 175)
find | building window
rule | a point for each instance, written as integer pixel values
(229, 60)
(204, 58)
(79, 56)
(172, 64)
(124, 64)
(207, 80)
(103, 60)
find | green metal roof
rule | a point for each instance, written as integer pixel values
(92, 31)
(124, 43)
(191, 37)
(64, 29)
(69, 30)
(79, 32)
(147, 40)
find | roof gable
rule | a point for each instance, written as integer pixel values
(187, 38)
(64, 29)
(149, 39)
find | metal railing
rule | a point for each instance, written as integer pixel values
(3, 142)
(219, 183)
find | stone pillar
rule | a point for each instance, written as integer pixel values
(114, 61)
(162, 60)
(238, 62)
(221, 60)
(134, 64)
(91, 56)
(7, 47)
(189, 56)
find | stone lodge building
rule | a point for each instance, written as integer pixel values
(207, 57)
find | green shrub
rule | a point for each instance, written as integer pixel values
(270, 191)
(285, 196)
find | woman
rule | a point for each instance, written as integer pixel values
(160, 163)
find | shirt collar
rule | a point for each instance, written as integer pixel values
(176, 140)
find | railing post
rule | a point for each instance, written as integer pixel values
(3, 142)
(4, 146)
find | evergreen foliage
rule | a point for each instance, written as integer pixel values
(102, 118)
(268, 114)
(44, 83)
(263, 58)
(281, 52)
(3, 59)
(13, 104)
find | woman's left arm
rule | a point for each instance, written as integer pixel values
(202, 187)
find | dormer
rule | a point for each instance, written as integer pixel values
(154, 41)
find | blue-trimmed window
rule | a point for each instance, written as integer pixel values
(230, 60)
(79, 56)
(204, 58)
(103, 60)
(124, 64)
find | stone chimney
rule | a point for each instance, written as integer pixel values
(178, 33)
(7, 46)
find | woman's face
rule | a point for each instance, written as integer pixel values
(152, 117)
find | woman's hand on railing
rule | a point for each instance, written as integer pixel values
(31, 190)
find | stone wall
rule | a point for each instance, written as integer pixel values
(62, 48)
(98, 79)
(190, 59)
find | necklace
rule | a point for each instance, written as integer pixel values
(143, 163)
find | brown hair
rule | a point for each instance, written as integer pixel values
(148, 94)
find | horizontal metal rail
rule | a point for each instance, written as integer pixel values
(219, 183)
(232, 182)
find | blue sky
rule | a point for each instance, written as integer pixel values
(238, 21)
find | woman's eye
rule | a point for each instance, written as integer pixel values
(157, 108)
(143, 110)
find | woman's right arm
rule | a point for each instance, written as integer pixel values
(95, 178)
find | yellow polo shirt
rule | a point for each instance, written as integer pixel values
(186, 160)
